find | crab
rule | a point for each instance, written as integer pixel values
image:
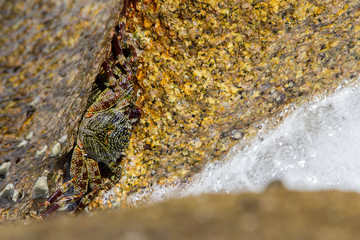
(106, 127)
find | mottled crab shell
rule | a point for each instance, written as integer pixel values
(106, 135)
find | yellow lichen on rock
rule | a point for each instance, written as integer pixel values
(210, 68)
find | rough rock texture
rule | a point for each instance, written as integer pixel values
(50, 53)
(275, 214)
(212, 71)
(209, 73)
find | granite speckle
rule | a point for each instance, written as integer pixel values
(211, 72)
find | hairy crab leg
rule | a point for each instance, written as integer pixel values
(90, 196)
(95, 176)
(120, 29)
(121, 68)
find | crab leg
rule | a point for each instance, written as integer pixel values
(119, 56)
(95, 176)
(78, 153)
(63, 188)
(95, 184)
(123, 12)
(120, 29)
(89, 197)
(122, 87)
(79, 169)
(124, 42)
(109, 97)
(61, 203)
(98, 184)
(86, 201)
(80, 181)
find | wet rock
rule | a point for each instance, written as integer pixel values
(51, 52)
(41, 189)
(4, 169)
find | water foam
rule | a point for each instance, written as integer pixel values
(317, 147)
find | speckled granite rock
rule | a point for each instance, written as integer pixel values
(50, 53)
(275, 214)
(212, 71)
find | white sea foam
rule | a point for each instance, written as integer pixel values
(317, 147)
